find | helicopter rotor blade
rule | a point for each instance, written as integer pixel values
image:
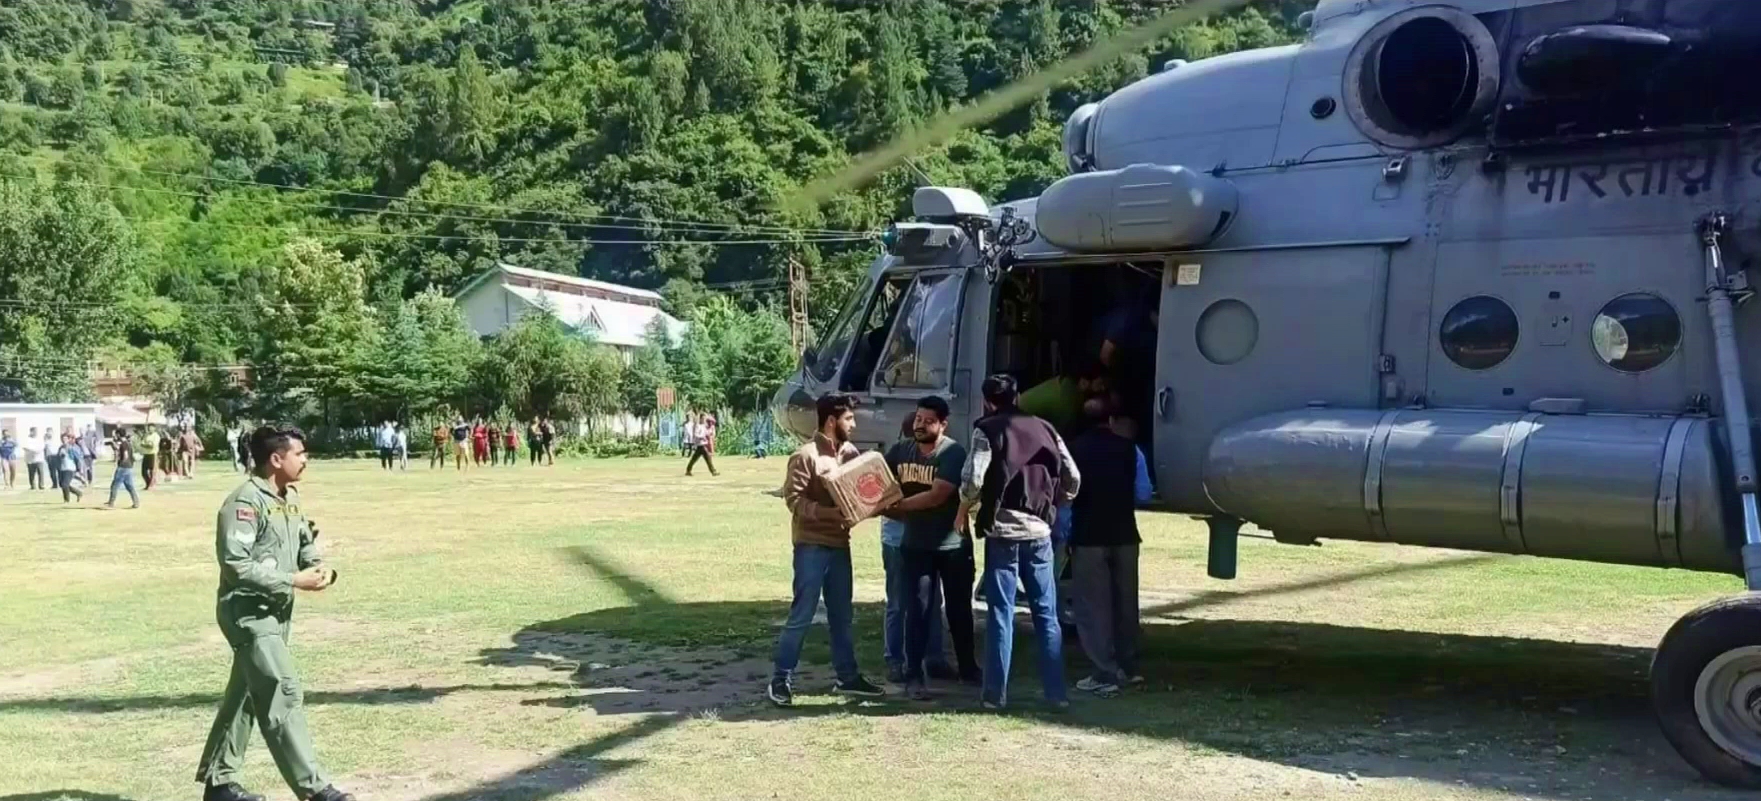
(1006, 99)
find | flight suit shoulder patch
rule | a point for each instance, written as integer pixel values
(244, 514)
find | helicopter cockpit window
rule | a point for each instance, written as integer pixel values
(871, 336)
(1636, 332)
(830, 351)
(1479, 333)
(921, 351)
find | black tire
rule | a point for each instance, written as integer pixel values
(1693, 642)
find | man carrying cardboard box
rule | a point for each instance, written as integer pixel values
(937, 559)
(821, 535)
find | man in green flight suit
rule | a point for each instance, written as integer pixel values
(266, 549)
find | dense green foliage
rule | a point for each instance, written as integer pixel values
(279, 182)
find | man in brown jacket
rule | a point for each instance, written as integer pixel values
(821, 535)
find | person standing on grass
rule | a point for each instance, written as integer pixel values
(232, 437)
(438, 457)
(892, 532)
(124, 477)
(241, 452)
(266, 549)
(385, 439)
(510, 445)
(52, 457)
(189, 449)
(8, 459)
(533, 449)
(89, 447)
(547, 438)
(821, 537)
(479, 443)
(147, 446)
(494, 443)
(1103, 547)
(1018, 473)
(403, 447)
(36, 466)
(937, 558)
(703, 435)
(461, 436)
(72, 469)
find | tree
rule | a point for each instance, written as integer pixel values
(313, 324)
(278, 75)
(539, 367)
(647, 371)
(65, 257)
(472, 109)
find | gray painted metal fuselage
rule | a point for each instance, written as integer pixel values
(1346, 416)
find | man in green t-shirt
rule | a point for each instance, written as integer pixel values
(928, 467)
(148, 448)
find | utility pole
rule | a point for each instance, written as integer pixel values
(797, 306)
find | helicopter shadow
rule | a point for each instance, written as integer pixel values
(1541, 718)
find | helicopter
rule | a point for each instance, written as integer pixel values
(1465, 274)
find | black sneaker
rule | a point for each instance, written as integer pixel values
(918, 692)
(859, 687)
(895, 674)
(779, 693)
(330, 793)
(228, 792)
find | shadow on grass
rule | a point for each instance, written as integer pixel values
(377, 696)
(1541, 718)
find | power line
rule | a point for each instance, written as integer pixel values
(459, 204)
(516, 240)
(665, 226)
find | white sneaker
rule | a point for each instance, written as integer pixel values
(1097, 686)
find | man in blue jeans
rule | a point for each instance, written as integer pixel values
(893, 564)
(821, 535)
(1018, 473)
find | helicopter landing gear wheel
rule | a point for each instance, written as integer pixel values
(1706, 690)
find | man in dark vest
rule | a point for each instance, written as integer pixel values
(1103, 546)
(1018, 473)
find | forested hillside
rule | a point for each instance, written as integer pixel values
(292, 184)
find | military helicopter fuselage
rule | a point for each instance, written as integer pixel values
(1465, 275)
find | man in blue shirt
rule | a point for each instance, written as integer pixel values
(72, 468)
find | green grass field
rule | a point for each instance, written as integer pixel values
(601, 629)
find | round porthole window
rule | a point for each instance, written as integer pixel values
(1636, 332)
(1227, 332)
(1479, 333)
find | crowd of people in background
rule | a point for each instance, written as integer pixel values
(475, 442)
(69, 461)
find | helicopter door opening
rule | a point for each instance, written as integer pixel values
(1070, 332)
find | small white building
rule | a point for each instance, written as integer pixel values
(18, 419)
(613, 315)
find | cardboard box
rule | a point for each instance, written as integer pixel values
(863, 486)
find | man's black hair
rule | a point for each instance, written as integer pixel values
(935, 404)
(1001, 391)
(269, 440)
(834, 404)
